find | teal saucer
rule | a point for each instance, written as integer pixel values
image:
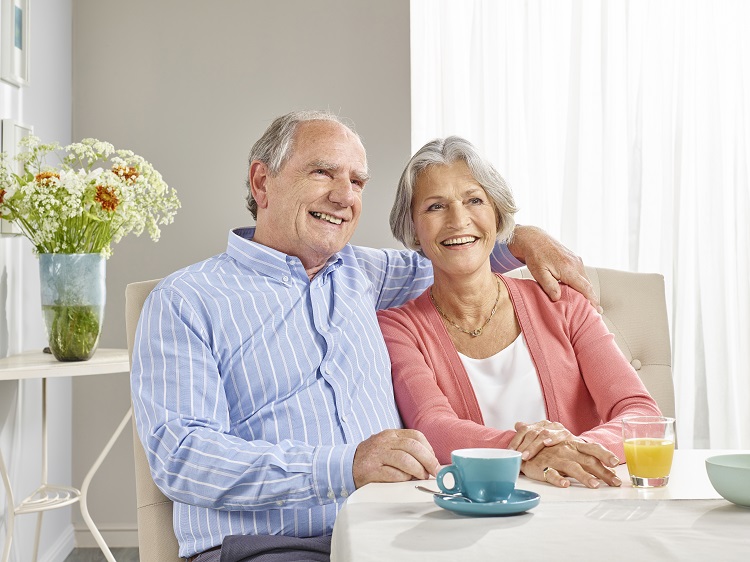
(518, 502)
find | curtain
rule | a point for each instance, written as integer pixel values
(624, 129)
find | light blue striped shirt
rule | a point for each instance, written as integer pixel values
(253, 385)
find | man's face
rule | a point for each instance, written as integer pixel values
(311, 207)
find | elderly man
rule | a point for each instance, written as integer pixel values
(261, 382)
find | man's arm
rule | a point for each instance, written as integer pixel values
(394, 455)
(551, 263)
(401, 275)
(196, 454)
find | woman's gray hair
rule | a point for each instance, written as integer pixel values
(442, 152)
(276, 144)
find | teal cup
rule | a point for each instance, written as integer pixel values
(482, 475)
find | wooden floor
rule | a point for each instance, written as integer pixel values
(95, 555)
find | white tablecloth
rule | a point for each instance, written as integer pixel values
(686, 520)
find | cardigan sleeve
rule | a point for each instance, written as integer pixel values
(434, 395)
(615, 387)
(428, 393)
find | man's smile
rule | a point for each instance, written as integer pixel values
(326, 217)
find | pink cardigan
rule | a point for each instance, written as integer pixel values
(587, 383)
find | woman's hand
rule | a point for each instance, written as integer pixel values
(589, 463)
(531, 438)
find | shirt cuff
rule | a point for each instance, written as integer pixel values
(332, 472)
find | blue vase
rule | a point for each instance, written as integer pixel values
(73, 296)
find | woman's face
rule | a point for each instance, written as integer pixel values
(454, 219)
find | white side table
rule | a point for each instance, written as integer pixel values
(35, 364)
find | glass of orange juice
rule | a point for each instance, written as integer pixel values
(649, 447)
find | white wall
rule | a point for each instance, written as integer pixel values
(46, 104)
(190, 85)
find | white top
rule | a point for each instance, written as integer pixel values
(507, 386)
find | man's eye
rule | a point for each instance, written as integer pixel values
(358, 183)
(322, 172)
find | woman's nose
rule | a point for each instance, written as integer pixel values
(457, 216)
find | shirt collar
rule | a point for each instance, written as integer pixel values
(265, 260)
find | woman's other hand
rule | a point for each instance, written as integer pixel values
(531, 438)
(589, 463)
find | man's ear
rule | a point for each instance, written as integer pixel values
(258, 176)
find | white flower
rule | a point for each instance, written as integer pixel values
(91, 200)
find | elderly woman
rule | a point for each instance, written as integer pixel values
(477, 353)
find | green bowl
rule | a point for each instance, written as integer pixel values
(730, 476)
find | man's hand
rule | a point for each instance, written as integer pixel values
(394, 455)
(551, 263)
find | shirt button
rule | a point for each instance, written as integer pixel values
(285, 278)
(344, 493)
(331, 495)
(279, 503)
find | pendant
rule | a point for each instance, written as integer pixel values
(475, 333)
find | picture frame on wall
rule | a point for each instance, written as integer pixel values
(14, 42)
(12, 132)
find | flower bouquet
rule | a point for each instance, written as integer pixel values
(72, 213)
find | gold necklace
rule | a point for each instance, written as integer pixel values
(472, 333)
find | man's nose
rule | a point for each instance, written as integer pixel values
(342, 193)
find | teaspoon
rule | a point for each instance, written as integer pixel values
(442, 494)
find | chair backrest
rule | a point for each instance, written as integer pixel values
(156, 538)
(635, 311)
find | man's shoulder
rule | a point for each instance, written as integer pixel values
(197, 275)
(362, 259)
(383, 257)
(362, 253)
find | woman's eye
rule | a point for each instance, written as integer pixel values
(476, 201)
(435, 207)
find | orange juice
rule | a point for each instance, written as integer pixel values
(648, 457)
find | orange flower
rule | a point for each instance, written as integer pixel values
(45, 178)
(129, 173)
(106, 197)
(2, 196)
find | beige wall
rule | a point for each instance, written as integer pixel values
(190, 85)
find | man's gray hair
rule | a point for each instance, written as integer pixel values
(442, 152)
(275, 146)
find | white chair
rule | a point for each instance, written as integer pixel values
(156, 539)
(635, 311)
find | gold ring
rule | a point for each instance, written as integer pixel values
(547, 469)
